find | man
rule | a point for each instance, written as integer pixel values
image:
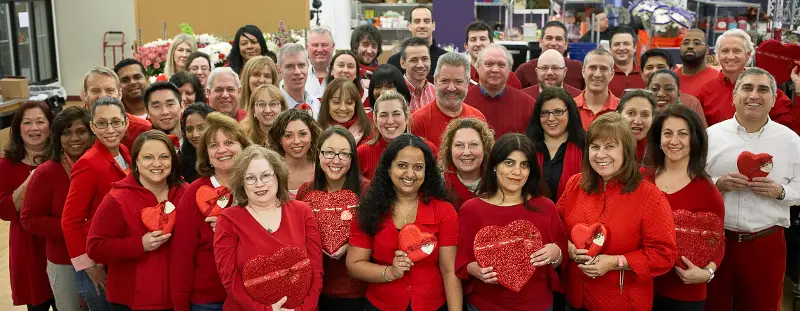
(596, 99)
(655, 60)
(421, 26)
(366, 42)
(507, 110)
(627, 74)
(164, 107)
(223, 90)
(554, 37)
(320, 47)
(551, 70)
(735, 50)
(416, 62)
(694, 73)
(132, 84)
(293, 69)
(601, 19)
(478, 36)
(757, 209)
(450, 78)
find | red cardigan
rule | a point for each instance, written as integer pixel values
(640, 227)
(536, 295)
(91, 176)
(573, 160)
(460, 192)
(370, 154)
(136, 279)
(240, 237)
(41, 211)
(193, 273)
(26, 252)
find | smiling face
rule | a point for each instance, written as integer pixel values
(164, 110)
(344, 67)
(224, 94)
(264, 187)
(105, 116)
(554, 38)
(732, 55)
(554, 126)
(606, 157)
(294, 71)
(753, 99)
(653, 64)
(467, 150)
(390, 119)
(513, 172)
(342, 107)
(195, 127)
(222, 150)
(597, 72)
(451, 86)
(623, 48)
(639, 114)
(34, 128)
(476, 41)
(336, 168)
(75, 140)
(248, 47)
(266, 109)
(98, 86)
(188, 95)
(666, 91)
(493, 69)
(296, 140)
(421, 24)
(260, 77)
(132, 82)
(676, 139)
(408, 171)
(180, 54)
(320, 48)
(201, 68)
(154, 163)
(417, 62)
(367, 51)
(550, 70)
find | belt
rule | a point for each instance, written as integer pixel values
(750, 236)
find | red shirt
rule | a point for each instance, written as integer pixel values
(640, 227)
(41, 211)
(136, 126)
(370, 154)
(137, 279)
(622, 81)
(460, 192)
(239, 237)
(510, 112)
(423, 288)
(533, 91)
(693, 84)
(193, 272)
(26, 252)
(536, 295)
(587, 115)
(429, 122)
(526, 73)
(241, 114)
(512, 81)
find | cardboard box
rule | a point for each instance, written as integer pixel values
(14, 87)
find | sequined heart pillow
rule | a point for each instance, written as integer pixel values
(334, 211)
(286, 272)
(508, 249)
(698, 235)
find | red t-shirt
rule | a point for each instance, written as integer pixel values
(692, 84)
(429, 122)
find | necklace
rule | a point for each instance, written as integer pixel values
(405, 219)
(257, 215)
(472, 186)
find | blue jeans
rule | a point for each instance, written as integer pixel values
(206, 307)
(86, 288)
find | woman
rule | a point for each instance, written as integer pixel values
(511, 191)
(387, 78)
(341, 105)
(407, 190)
(294, 136)
(193, 125)
(640, 244)
(391, 120)
(559, 138)
(680, 146)
(465, 147)
(666, 87)
(189, 85)
(200, 65)
(138, 278)
(248, 42)
(26, 149)
(344, 65)
(41, 211)
(182, 45)
(194, 282)
(264, 106)
(265, 221)
(637, 107)
(259, 70)
(336, 171)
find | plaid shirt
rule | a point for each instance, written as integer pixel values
(420, 96)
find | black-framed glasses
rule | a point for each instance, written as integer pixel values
(344, 156)
(265, 177)
(104, 124)
(547, 113)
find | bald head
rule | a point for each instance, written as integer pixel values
(551, 69)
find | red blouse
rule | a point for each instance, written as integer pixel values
(239, 237)
(41, 211)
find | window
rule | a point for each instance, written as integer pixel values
(27, 43)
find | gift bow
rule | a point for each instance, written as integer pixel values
(276, 274)
(222, 191)
(303, 106)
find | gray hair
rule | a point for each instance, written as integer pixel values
(222, 70)
(599, 51)
(749, 48)
(455, 60)
(290, 49)
(494, 46)
(108, 101)
(755, 71)
(99, 71)
(322, 31)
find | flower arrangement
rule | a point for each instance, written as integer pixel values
(664, 18)
(283, 36)
(153, 56)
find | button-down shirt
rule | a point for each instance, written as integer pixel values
(313, 84)
(420, 96)
(307, 98)
(746, 211)
(622, 81)
(586, 113)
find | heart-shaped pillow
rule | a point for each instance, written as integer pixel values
(508, 249)
(698, 235)
(159, 217)
(286, 272)
(754, 165)
(591, 237)
(778, 58)
(334, 211)
(416, 243)
(211, 201)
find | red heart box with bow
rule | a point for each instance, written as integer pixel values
(286, 272)
(416, 243)
(778, 58)
(754, 165)
(590, 237)
(159, 217)
(508, 249)
(211, 201)
(334, 211)
(698, 235)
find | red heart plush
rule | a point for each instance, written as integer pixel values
(333, 211)
(591, 237)
(211, 201)
(777, 58)
(508, 249)
(159, 217)
(416, 243)
(286, 272)
(754, 165)
(698, 235)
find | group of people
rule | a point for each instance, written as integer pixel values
(296, 179)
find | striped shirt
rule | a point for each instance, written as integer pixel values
(420, 96)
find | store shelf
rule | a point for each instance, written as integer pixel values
(375, 5)
(729, 4)
(532, 11)
(491, 4)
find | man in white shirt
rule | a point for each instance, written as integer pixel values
(756, 209)
(320, 47)
(293, 69)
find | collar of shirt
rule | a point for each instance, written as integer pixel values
(291, 102)
(739, 129)
(636, 69)
(413, 88)
(580, 102)
(727, 82)
(485, 93)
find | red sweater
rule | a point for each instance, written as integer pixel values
(640, 226)
(460, 192)
(429, 122)
(692, 84)
(193, 273)
(533, 91)
(369, 155)
(512, 81)
(240, 237)
(622, 81)
(508, 113)
(41, 211)
(26, 252)
(536, 295)
(527, 73)
(136, 126)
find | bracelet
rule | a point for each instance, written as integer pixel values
(384, 274)
(560, 254)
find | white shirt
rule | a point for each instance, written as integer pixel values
(313, 86)
(746, 211)
(310, 100)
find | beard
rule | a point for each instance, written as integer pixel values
(694, 61)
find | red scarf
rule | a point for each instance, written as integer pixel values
(573, 159)
(347, 124)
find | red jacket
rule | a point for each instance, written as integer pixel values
(41, 211)
(91, 176)
(137, 279)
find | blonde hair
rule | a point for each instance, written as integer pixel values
(239, 170)
(250, 123)
(171, 68)
(387, 96)
(256, 64)
(99, 71)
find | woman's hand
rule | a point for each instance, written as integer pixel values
(578, 255)
(601, 265)
(486, 275)
(400, 265)
(213, 222)
(339, 253)
(278, 306)
(693, 274)
(153, 240)
(547, 254)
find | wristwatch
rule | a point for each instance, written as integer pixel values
(783, 193)
(712, 274)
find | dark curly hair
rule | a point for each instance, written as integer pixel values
(279, 127)
(505, 145)
(368, 32)
(381, 194)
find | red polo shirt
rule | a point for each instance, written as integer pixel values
(691, 84)
(533, 91)
(429, 122)
(622, 81)
(587, 115)
(512, 81)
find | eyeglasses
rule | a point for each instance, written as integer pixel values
(557, 113)
(548, 68)
(104, 124)
(265, 177)
(273, 104)
(344, 156)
